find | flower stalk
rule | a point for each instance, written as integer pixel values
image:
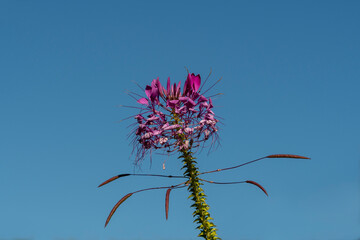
(197, 195)
(201, 212)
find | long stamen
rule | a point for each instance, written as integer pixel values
(131, 117)
(129, 92)
(205, 80)
(138, 86)
(215, 95)
(132, 107)
(212, 85)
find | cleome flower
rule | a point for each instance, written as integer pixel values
(178, 120)
(173, 119)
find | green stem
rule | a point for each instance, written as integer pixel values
(201, 214)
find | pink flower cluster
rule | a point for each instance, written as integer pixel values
(172, 119)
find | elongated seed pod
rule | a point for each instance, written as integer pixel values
(116, 207)
(258, 185)
(286, 156)
(167, 196)
(114, 178)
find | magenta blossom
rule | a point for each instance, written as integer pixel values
(171, 119)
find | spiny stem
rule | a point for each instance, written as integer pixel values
(201, 214)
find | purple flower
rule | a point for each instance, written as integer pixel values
(171, 119)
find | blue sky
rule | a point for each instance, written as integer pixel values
(290, 82)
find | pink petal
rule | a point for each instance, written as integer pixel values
(191, 103)
(155, 83)
(168, 86)
(187, 85)
(196, 81)
(154, 94)
(188, 101)
(210, 103)
(165, 125)
(184, 99)
(148, 91)
(153, 118)
(202, 99)
(162, 92)
(172, 90)
(172, 103)
(178, 88)
(171, 127)
(143, 101)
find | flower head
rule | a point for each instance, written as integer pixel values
(171, 119)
